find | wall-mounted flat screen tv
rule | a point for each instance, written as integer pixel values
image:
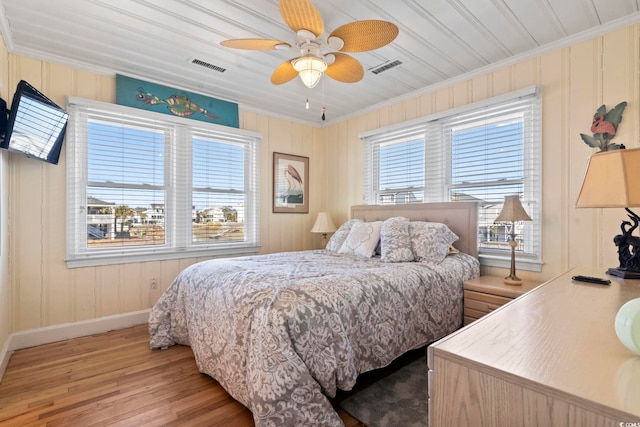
(35, 126)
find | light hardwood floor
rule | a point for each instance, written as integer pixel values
(115, 379)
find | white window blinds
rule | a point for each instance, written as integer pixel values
(145, 186)
(480, 153)
(395, 166)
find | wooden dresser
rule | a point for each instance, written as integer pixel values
(548, 358)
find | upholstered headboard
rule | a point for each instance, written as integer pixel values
(460, 217)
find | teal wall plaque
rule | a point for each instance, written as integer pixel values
(162, 99)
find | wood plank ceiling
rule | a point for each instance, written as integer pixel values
(158, 41)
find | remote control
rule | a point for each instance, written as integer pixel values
(591, 279)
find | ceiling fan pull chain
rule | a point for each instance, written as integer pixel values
(323, 108)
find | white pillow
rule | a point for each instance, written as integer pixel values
(338, 238)
(362, 239)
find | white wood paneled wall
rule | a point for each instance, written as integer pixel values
(575, 81)
(45, 291)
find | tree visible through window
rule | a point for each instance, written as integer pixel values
(157, 187)
(218, 191)
(125, 171)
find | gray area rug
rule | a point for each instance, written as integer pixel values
(400, 399)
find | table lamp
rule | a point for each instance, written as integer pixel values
(612, 180)
(323, 225)
(512, 212)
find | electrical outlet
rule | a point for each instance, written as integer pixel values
(153, 283)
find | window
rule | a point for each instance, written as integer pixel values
(143, 186)
(480, 152)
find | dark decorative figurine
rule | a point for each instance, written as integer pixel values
(628, 245)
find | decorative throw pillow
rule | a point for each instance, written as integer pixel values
(362, 239)
(395, 241)
(338, 238)
(430, 241)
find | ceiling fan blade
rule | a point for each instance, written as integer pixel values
(253, 44)
(345, 69)
(361, 36)
(301, 15)
(284, 73)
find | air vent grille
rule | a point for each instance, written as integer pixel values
(385, 66)
(207, 65)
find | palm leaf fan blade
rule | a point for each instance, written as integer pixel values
(283, 74)
(301, 15)
(345, 69)
(253, 44)
(362, 36)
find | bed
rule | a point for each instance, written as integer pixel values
(282, 332)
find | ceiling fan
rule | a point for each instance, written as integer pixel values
(319, 54)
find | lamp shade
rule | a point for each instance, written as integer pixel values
(512, 210)
(323, 224)
(612, 180)
(310, 69)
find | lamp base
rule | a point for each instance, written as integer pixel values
(512, 280)
(625, 274)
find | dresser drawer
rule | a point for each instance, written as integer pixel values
(470, 315)
(484, 294)
(481, 302)
(468, 320)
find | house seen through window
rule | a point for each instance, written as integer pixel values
(148, 187)
(480, 153)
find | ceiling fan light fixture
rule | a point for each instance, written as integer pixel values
(320, 54)
(310, 69)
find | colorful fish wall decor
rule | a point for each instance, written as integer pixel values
(162, 99)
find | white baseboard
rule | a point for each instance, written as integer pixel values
(65, 331)
(4, 358)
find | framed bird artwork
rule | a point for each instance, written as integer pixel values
(290, 183)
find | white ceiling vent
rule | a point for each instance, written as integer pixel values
(208, 65)
(385, 66)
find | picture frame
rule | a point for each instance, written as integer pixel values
(290, 183)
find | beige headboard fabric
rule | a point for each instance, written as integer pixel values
(460, 217)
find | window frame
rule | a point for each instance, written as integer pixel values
(178, 188)
(530, 260)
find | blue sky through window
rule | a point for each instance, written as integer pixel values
(125, 155)
(487, 161)
(483, 156)
(218, 173)
(402, 165)
(121, 157)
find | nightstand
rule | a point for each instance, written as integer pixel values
(486, 293)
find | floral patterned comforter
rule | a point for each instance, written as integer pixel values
(280, 332)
